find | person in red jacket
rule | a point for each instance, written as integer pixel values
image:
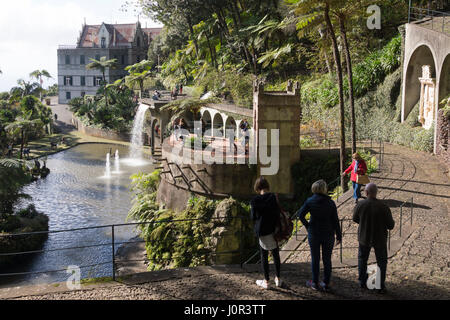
(358, 166)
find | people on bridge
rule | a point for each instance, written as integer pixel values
(265, 213)
(245, 132)
(322, 227)
(358, 167)
(374, 219)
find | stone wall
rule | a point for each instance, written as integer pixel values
(443, 137)
(100, 133)
(179, 180)
(279, 110)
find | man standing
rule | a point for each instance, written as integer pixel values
(374, 219)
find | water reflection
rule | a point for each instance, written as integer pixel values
(75, 195)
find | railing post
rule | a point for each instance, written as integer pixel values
(389, 240)
(401, 218)
(342, 239)
(241, 247)
(113, 255)
(409, 12)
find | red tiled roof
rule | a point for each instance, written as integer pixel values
(123, 33)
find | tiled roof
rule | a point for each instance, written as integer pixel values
(152, 32)
(120, 34)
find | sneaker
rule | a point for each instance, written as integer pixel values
(278, 282)
(312, 285)
(263, 284)
(325, 287)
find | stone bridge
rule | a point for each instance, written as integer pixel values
(426, 68)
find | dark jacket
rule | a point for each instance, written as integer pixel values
(374, 219)
(265, 212)
(324, 221)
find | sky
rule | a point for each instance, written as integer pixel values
(31, 30)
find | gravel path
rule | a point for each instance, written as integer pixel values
(419, 270)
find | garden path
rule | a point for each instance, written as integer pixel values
(419, 270)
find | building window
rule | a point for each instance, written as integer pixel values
(98, 81)
(67, 59)
(103, 42)
(68, 81)
(82, 80)
(68, 95)
(82, 59)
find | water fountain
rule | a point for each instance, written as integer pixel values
(135, 157)
(116, 162)
(108, 166)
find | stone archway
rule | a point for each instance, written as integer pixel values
(444, 81)
(206, 116)
(218, 125)
(412, 86)
(230, 124)
(156, 131)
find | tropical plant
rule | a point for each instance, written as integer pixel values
(14, 174)
(23, 128)
(192, 105)
(102, 65)
(38, 74)
(138, 73)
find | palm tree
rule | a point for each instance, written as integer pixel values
(38, 74)
(101, 65)
(24, 88)
(138, 73)
(23, 127)
(312, 12)
(13, 174)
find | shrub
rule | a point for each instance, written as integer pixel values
(366, 75)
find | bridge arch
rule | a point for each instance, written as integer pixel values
(230, 123)
(420, 56)
(206, 116)
(218, 125)
(444, 81)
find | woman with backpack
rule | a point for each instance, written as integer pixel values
(322, 227)
(265, 212)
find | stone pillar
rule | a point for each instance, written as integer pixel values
(427, 104)
(278, 110)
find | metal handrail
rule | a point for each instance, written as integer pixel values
(419, 14)
(113, 243)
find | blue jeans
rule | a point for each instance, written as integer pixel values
(363, 256)
(356, 190)
(315, 243)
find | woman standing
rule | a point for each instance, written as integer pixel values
(265, 212)
(322, 228)
(358, 166)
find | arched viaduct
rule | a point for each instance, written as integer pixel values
(424, 46)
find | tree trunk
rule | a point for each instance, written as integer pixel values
(337, 61)
(22, 142)
(350, 81)
(191, 30)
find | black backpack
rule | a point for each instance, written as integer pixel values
(284, 226)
